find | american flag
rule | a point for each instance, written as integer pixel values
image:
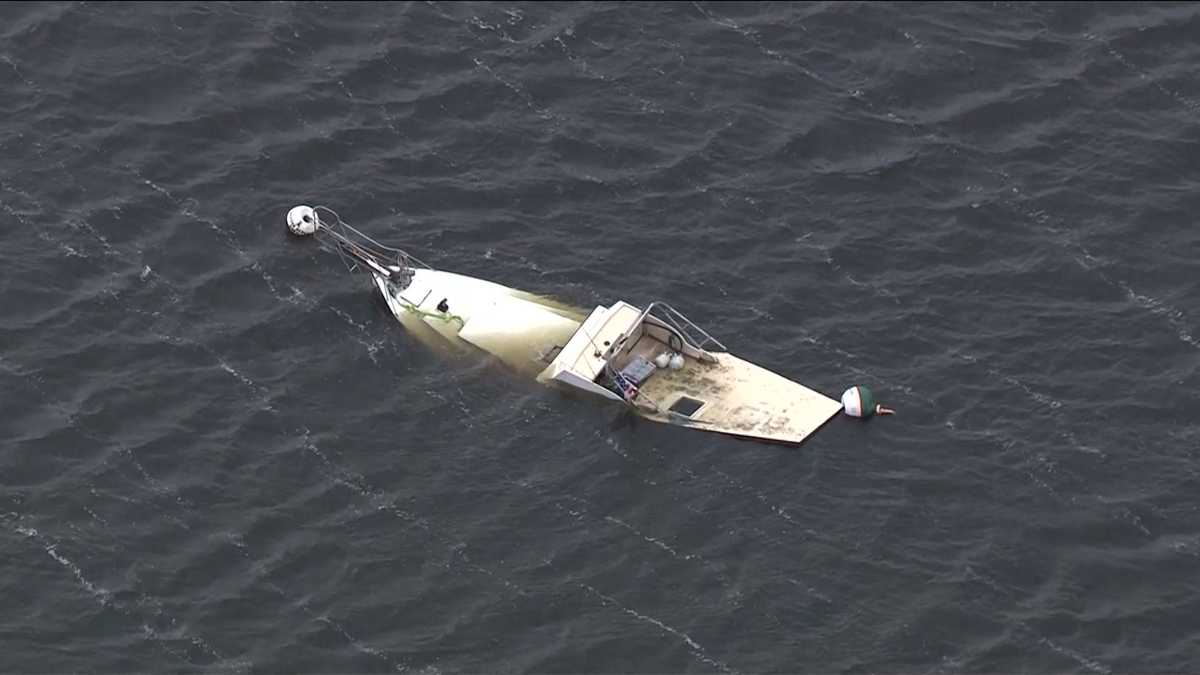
(628, 390)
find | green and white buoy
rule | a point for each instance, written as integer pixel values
(860, 402)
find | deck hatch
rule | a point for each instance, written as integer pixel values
(686, 406)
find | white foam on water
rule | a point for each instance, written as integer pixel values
(155, 485)
(651, 540)
(362, 328)
(382, 502)
(847, 358)
(1185, 545)
(496, 29)
(234, 372)
(108, 249)
(515, 17)
(1089, 664)
(986, 580)
(811, 591)
(1069, 241)
(517, 89)
(95, 516)
(757, 41)
(1174, 317)
(263, 393)
(622, 453)
(100, 594)
(644, 105)
(185, 208)
(1045, 400)
(460, 551)
(105, 598)
(296, 297)
(1136, 520)
(697, 650)
(5, 58)
(41, 234)
(1079, 254)
(1075, 443)
(360, 485)
(616, 447)
(576, 515)
(82, 224)
(773, 507)
(372, 348)
(584, 509)
(35, 382)
(1191, 104)
(949, 664)
(877, 289)
(341, 84)
(1007, 444)
(359, 645)
(998, 588)
(762, 498)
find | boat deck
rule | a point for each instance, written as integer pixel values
(730, 396)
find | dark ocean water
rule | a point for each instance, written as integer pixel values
(218, 451)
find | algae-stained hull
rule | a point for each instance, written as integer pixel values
(654, 360)
(511, 325)
(720, 392)
(739, 398)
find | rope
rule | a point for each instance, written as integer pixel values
(440, 316)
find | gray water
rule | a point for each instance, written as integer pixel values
(221, 453)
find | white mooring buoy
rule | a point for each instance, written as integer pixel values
(302, 220)
(860, 402)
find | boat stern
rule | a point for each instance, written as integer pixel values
(736, 397)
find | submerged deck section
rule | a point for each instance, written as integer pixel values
(515, 327)
(736, 397)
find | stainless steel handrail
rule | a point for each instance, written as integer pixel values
(361, 246)
(670, 319)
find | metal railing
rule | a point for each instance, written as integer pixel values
(674, 321)
(355, 247)
(673, 318)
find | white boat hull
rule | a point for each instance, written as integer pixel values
(535, 336)
(655, 359)
(505, 322)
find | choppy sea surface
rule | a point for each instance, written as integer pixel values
(220, 453)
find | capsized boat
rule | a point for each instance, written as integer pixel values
(652, 358)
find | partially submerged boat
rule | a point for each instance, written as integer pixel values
(652, 358)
